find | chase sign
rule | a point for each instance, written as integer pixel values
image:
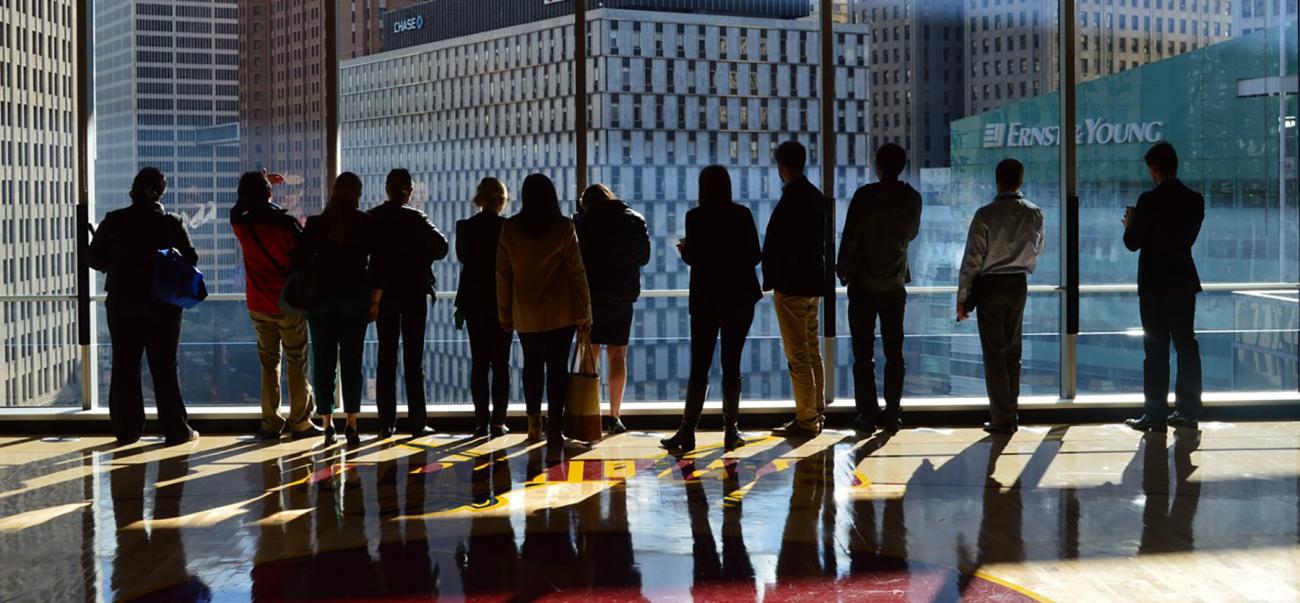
(415, 23)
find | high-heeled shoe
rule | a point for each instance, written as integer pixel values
(354, 438)
(331, 435)
(731, 439)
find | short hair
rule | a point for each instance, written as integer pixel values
(792, 155)
(489, 191)
(715, 186)
(399, 179)
(1010, 174)
(890, 159)
(253, 188)
(596, 195)
(1163, 158)
(149, 179)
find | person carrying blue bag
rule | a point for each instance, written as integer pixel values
(150, 263)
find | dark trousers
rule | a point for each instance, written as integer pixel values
(145, 326)
(546, 370)
(864, 308)
(402, 316)
(338, 334)
(1165, 318)
(489, 369)
(1001, 314)
(706, 327)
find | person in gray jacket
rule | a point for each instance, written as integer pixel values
(1002, 249)
(883, 218)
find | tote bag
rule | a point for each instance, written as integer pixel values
(176, 281)
(582, 414)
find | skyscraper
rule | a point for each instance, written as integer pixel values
(361, 24)
(37, 203)
(167, 95)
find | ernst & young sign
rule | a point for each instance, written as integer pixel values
(1091, 131)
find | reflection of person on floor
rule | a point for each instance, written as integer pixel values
(150, 560)
(1168, 528)
(813, 486)
(341, 566)
(609, 540)
(404, 546)
(1001, 524)
(869, 554)
(491, 561)
(734, 565)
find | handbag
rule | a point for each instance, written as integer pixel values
(582, 412)
(176, 281)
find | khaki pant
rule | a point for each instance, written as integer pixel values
(802, 341)
(290, 333)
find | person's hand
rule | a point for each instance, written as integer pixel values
(962, 316)
(508, 327)
(584, 327)
(844, 277)
(1128, 216)
(681, 245)
(374, 311)
(273, 177)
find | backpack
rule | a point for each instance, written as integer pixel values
(176, 281)
(300, 287)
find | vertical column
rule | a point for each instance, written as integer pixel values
(580, 95)
(331, 32)
(84, 70)
(1069, 205)
(828, 189)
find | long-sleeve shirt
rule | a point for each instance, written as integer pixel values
(127, 241)
(1006, 237)
(883, 220)
(1164, 227)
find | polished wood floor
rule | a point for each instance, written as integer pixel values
(1087, 513)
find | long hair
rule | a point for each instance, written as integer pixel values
(539, 206)
(715, 187)
(339, 219)
(490, 195)
(253, 192)
(596, 196)
(148, 186)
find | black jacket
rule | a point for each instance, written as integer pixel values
(1164, 226)
(615, 245)
(344, 268)
(476, 248)
(127, 241)
(407, 244)
(722, 250)
(882, 220)
(794, 250)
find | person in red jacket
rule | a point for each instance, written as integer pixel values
(267, 234)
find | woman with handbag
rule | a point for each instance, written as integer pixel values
(721, 247)
(542, 294)
(335, 248)
(267, 234)
(476, 302)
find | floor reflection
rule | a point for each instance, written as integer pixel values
(1085, 512)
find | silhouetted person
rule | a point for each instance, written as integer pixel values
(794, 267)
(542, 294)
(267, 235)
(339, 242)
(1163, 228)
(615, 245)
(721, 247)
(882, 220)
(406, 246)
(476, 300)
(138, 323)
(1002, 249)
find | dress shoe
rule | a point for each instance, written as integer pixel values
(614, 425)
(893, 424)
(421, 431)
(1000, 428)
(794, 430)
(480, 431)
(1180, 420)
(310, 432)
(265, 435)
(498, 430)
(682, 441)
(731, 439)
(354, 438)
(862, 424)
(127, 440)
(386, 432)
(185, 439)
(1145, 423)
(331, 435)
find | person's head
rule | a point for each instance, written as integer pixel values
(891, 159)
(346, 192)
(399, 185)
(254, 190)
(539, 206)
(149, 186)
(345, 198)
(491, 195)
(1162, 162)
(715, 186)
(1010, 175)
(791, 160)
(595, 196)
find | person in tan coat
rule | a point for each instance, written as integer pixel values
(542, 294)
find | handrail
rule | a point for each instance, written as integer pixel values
(920, 291)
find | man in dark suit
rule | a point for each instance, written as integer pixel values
(402, 267)
(1163, 227)
(794, 267)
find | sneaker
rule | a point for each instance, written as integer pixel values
(499, 430)
(480, 431)
(185, 439)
